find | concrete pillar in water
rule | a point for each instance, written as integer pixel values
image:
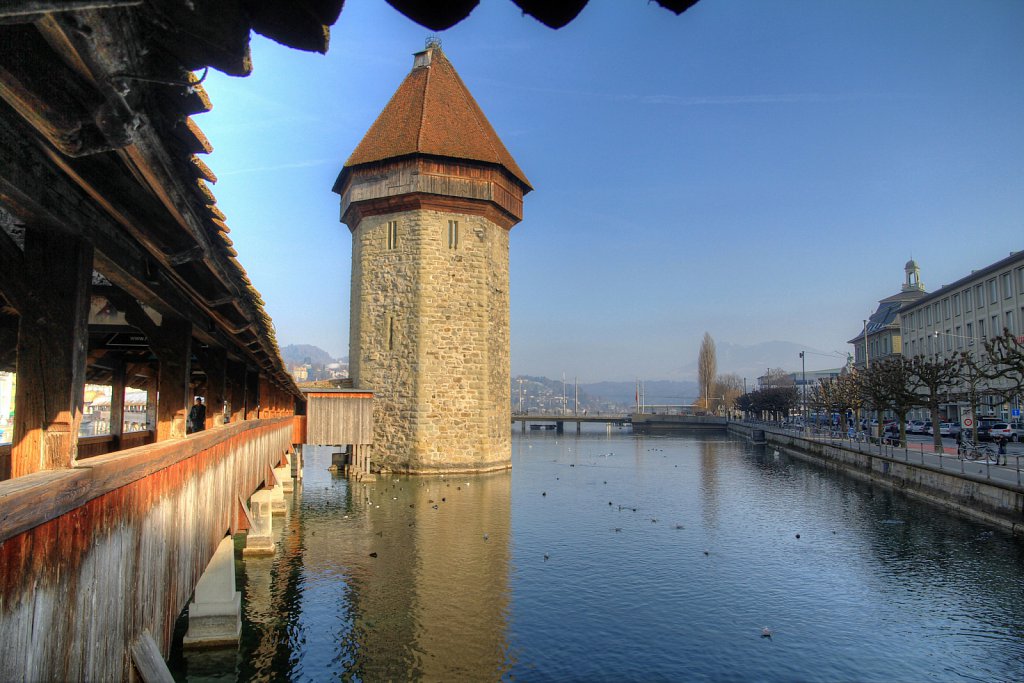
(215, 613)
(559, 427)
(296, 462)
(277, 504)
(578, 425)
(284, 476)
(259, 540)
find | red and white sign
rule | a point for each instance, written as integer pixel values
(968, 422)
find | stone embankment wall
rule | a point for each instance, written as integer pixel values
(430, 338)
(971, 495)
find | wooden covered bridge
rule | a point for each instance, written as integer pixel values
(116, 268)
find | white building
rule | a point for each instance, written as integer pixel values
(962, 315)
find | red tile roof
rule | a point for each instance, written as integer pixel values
(433, 113)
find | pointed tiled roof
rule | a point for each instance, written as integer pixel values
(433, 113)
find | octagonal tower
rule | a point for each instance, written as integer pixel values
(430, 195)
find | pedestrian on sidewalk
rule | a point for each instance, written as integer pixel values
(1002, 451)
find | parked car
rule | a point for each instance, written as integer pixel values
(892, 428)
(949, 428)
(1018, 431)
(984, 427)
(1012, 431)
(917, 426)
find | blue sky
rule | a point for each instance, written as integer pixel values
(757, 170)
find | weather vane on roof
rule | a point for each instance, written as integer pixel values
(433, 42)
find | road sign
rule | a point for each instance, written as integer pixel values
(968, 422)
(1016, 412)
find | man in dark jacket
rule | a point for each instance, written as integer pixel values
(196, 421)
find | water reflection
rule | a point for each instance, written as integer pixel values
(404, 578)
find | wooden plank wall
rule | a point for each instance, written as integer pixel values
(92, 556)
(5, 461)
(339, 418)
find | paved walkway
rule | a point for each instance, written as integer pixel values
(921, 451)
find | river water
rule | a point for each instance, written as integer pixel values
(610, 556)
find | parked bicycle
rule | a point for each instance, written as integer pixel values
(968, 450)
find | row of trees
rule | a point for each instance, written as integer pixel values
(900, 384)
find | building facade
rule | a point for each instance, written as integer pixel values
(430, 195)
(881, 335)
(961, 316)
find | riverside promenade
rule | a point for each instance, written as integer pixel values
(978, 489)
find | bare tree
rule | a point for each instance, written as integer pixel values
(891, 384)
(727, 388)
(935, 377)
(707, 367)
(974, 381)
(1005, 356)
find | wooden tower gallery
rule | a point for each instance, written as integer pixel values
(430, 195)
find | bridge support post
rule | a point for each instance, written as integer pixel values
(559, 427)
(259, 540)
(284, 476)
(296, 463)
(522, 426)
(215, 613)
(578, 426)
(277, 504)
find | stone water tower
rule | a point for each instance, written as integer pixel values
(430, 195)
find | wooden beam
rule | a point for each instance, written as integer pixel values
(175, 341)
(52, 343)
(13, 8)
(13, 277)
(117, 388)
(8, 341)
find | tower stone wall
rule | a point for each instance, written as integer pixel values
(430, 195)
(430, 337)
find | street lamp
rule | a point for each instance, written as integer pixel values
(803, 387)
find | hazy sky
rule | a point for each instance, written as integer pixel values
(758, 170)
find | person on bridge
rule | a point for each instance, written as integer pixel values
(1002, 450)
(196, 421)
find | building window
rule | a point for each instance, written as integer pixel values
(392, 234)
(967, 299)
(928, 315)
(391, 333)
(979, 296)
(981, 330)
(949, 341)
(1007, 286)
(959, 338)
(1009, 322)
(970, 333)
(995, 330)
(453, 234)
(945, 307)
(956, 304)
(1020, 279)
(993, 291)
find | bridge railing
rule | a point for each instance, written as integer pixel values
(95, 555)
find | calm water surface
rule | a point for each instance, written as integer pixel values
(613, 557)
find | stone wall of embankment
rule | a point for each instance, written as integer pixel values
(973, 495)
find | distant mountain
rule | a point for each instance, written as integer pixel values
(541, 394)
(300, 354)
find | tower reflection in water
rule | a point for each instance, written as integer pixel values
(394, 579)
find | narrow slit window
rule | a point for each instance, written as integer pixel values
(453, 234)
(392, 234)
(391, 333)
